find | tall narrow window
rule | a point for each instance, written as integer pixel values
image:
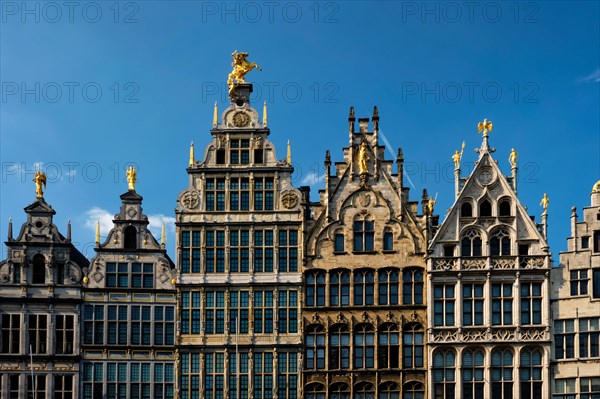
(471, 243)
(239, 194)
(530, 371)
(388, 351)
(314, 344)
(364, 282)
(500, 243)
(64, 330)
(288, 250)
(444, 363)
(190, 376)
(596, 283)
(579, 282)
(117, 325)
(215, 252)
(215, 194)
(63, 386)
(263, 375)
(472, 372)
(39, 270)
(502, 304)
(388, 287)
(11, 333)
(502, 374)
(287, 375)
(485, 208)
(364, 233)
(238, 375)
(190, 251)
(238, 311)
(164, 325)
(263, 311)
(504, 208)
(388, 240)
(190, 313)
(14, 391)
(589, 337)
(263, 194)
(364, 347)
(339, 288)
(93, 324)
(215, 313)
(36, 388)
(597, 241)
(214, 377)
(339, 347)
(288, 311)
(315, 288)
(38, 332)
(130, 238)
(531, 303)
(473, 304)
(412, 286)
(239, 251)
(141, 323)
(263, 251)
(413, 346)
(339, 243)
(564, 339)
(443, 305)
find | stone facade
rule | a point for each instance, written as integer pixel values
(128, 317)
(364, 310)
(489, 292)
(576, 309)
(40, 303)
(238, 249)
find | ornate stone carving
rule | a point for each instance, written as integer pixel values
(289, 200)
(444, 264)
(190, 199)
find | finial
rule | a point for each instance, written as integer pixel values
(265, 113)
(289, 153)
(69, 229)
(131, 178)
(97, 233)
(485, 127)
(400, 156)
(545, 201)
(512, 158)
(39, 179)
(596, 187)
(163, 236)
(215, 115)
(375, 114)
(327, 157)
(10, 235)
(192, 154)
(351, 116)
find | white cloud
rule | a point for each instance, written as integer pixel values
(95, 215)
(156, 222)
(594, 77)
(313, 178)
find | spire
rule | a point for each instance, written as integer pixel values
(192, 153)
(10, 236)
(289, 153)
(69, 230)
(215, 115)
(375, 119)
(98, 233)
(351, 120)
(264, 122)
(163, 236)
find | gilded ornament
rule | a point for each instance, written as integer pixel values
(363, 158)
(512, 158)
(131, 178)
(39, 179)
(544, 202)
(596, 188)
(485, 127)
(240, 119)
(241, 66)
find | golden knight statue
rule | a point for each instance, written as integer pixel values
(458, 156)
(39, 179)
(131, 178)
(241, 66)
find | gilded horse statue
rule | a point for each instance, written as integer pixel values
(241, 66)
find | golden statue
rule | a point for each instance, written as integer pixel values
(241, 66)
(512, 158)
(458, 156)
(430, 205)
(363, 158)
(485, 127)
(39, 179)
(596, 188)
(545, 201)
(131, 178)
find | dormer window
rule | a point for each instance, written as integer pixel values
(504, 208)
(130, 238)
(466, 210)
(485, 208)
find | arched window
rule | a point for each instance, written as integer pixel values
(130, 238)
(364, 282)
(444, 363)
(530, 371)
(412, 346)
(315, 288)
(389, 390)
(38, 273)
(364, 390)
(339, 347)
(471, 243)
(339, 391)
(472, 372)
(315, 347)
(502, 374)
(364, 233)
(466, 210)
(388, 240)
(314, 391)
(504, 208)
(485, 208)
(388, 351)
(413, 390)
(412, 286)
(388, 287)
(339, 288)
(364, 347)
(500, 243)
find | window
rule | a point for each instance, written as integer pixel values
(142, 275)
(288, 250)
(214, 375)
(11, 333)
(502, 374)
(190, 251)
(263, 194)
(466, 210)
(448, 250)
(504, 208)
(471, 243)
(412, 390)
(263, 311)
(164, 325)
(315, 288)
(444, 374)
(238, 311)
(364, 285)
(38, 330)
(388, 351)
(364, 390)
(116, 378)
(388, 241)
(597, 241)
(14, 390)
(238, 375)
(364, 347)
(141, 323)
(65, 333)
(239, 251)
(215, 194)
(585, 242)
(472, 374)
(564, 339)
(315, 347)
(388, 287)
(339, 288)
(288, 311)
(339, 391)
(36, 389)
(565, 388)
(589, 337)
(93, 378)
(412, 346)
(579, 281)
(531, 303)
(258, 155)
(364, 233)
(500, 243)
(116, 332)
(190, 312)
(239, 152)
(485, 208)
(16, 273)
(339, 347)
(93, 324)
(60, 273)
(263, 375)
(39, 270)
(164, 379)
(596, 283)
(473, 304)
(315, 391)
(63, 386)
(589, 387)
(190, 376)
(530, 372)
(390, 390)
(117, 275)
(239, 194)
(287, 375)
(339, 243)
(443, 305)
(215, 313)
(220, 158)
(502, 304)
(263, 251)
(130, 237)
(215, 252)
(412, 286)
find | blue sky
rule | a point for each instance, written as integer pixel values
(93, 87)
